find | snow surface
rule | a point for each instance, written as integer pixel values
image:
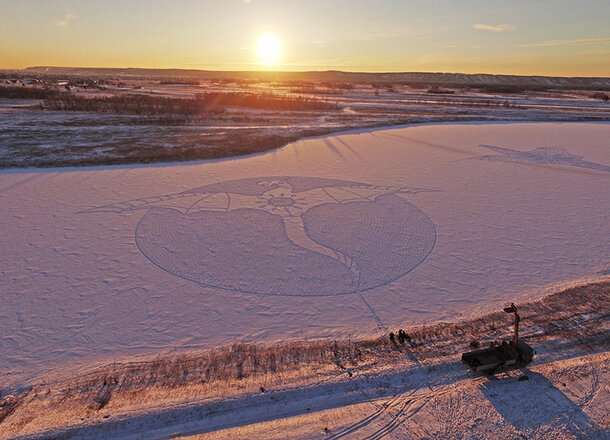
(560, 400)
(408, 225)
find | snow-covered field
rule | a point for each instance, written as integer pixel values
(356, 389)
(352, 234)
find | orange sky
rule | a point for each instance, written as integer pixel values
(545, 37)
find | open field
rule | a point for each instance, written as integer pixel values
(414, 225)
(90, 117)
(347, 389)
(290, 220)
(251, 297)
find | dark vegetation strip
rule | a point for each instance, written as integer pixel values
(140, 104)
(180, 82)
(237, 144)
(129, 104)
(19, 92)
(199, 104)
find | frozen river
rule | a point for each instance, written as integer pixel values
(349, 234)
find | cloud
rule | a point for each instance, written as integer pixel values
(63, 22)
(494, 27)
(568, 42)
(318, 43)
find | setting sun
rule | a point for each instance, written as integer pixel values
(268, 48)
(263, 195)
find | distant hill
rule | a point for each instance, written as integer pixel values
(446, 79)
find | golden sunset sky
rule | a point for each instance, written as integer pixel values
(533, 37)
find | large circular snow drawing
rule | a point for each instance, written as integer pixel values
(285, 235)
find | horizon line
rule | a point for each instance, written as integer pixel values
(298, 71)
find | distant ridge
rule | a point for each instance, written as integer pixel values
(457, 79)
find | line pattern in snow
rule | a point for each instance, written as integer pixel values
(285, 235)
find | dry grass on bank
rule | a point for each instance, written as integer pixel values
(576, 316)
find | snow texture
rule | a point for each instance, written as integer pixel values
(311, 236)
(344, 235)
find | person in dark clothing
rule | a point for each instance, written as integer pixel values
(401, 336)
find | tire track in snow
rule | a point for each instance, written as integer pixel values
(406, 411)
(409, 405)
(366, 421)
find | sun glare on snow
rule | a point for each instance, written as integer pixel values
(268, 48)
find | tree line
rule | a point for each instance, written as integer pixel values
(199, 104)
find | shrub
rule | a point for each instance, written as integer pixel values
(19, 92)
(600, 95)
(201, 103)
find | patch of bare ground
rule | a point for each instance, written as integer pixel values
(564, 325)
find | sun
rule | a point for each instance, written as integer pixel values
(268, 48)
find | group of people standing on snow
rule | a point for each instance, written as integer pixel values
(402, 337)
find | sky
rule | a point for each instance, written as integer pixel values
(529, 37)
